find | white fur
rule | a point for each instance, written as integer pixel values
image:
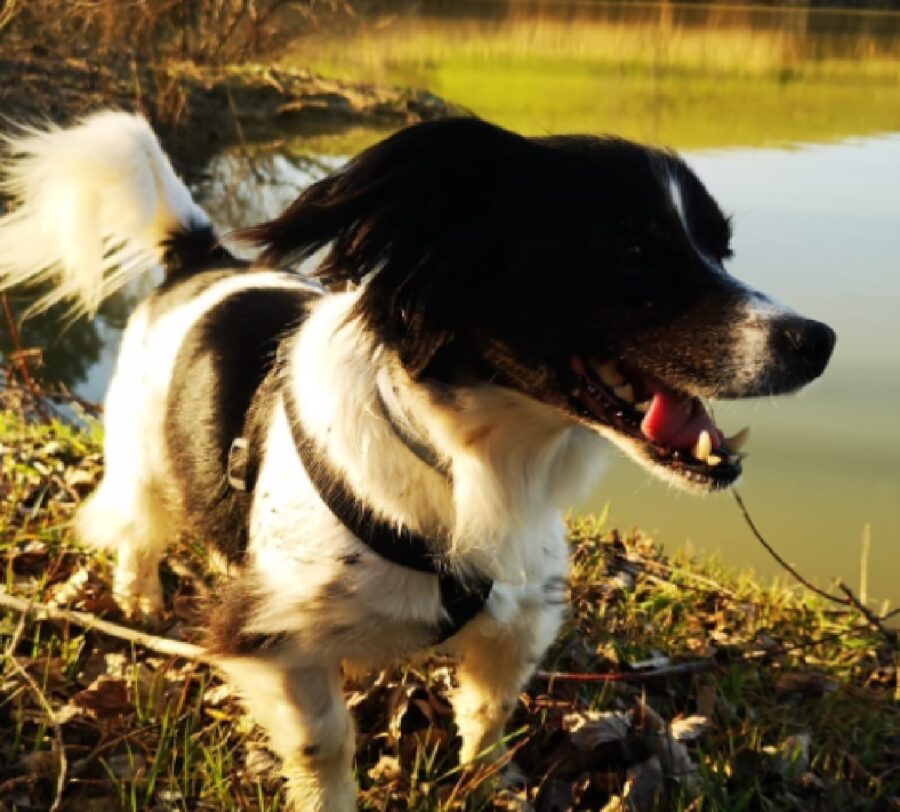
(96, 202)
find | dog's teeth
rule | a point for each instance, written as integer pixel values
(609, 373)
(737, 441)
(625, 393)
(643, 407)
(702, 447)
(713, 460)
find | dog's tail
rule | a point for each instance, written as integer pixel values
(93, 206)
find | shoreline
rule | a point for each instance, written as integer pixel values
(199, 110)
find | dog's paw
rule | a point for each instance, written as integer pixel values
(143, 610)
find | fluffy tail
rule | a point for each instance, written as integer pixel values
(94, 205)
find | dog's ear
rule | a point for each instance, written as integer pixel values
(427, 213)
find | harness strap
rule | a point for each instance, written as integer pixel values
(461, 600)
(402, 427)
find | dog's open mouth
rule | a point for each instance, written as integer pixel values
(665, 427)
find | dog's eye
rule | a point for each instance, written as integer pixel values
(634, 251)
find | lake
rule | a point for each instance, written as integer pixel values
(790, 117)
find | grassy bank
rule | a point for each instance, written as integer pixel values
(764, 698)
(688, 77)
(206, 74)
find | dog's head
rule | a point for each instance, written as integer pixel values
(586, 273)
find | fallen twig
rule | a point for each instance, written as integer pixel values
(161, 645)
(875, 620)
(20, 357)
(677, 670)
(850, 600)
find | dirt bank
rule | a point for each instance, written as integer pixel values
(200, 110)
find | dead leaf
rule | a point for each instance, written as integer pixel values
(104, 698)
(590, 729)
(706, 699)
(127, 766)
(809, 684)
(688, 728)
(645, 786)
(39, 763)
(386, 769)
(793, 755)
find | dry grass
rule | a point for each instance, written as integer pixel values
(794, 705)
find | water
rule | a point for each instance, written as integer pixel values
(792, 119)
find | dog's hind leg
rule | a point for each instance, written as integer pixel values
(124, 517)
(128, 513)
(302, 709)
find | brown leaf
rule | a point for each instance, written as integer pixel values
(688, 728)
(706, 699)
(39, 763)
(645, 786)
(31, 559)
(104, 698)
(127, 766)
(809, 684)
(386, 769)
(590, 729)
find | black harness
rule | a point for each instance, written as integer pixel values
(461, 600)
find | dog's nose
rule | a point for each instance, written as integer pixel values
(809, 342)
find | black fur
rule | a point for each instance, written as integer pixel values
(193, 249)
(499, 257)
(218, 375)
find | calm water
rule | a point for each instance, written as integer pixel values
(793, 121)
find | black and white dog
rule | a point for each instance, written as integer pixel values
(384, 467)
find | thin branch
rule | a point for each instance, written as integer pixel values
(677, 670)
(161, 645)
(850, 600)
(875, 620)
(774, 553)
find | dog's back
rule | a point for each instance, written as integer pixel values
(100, 205)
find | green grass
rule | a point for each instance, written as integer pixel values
(157, 733)
(729, 82)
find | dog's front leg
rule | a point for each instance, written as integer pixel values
(496, 661)
(302, 709)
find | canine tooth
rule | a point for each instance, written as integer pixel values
(609, 374)
(643, 407)
(737, 441)
(702, 447)
(713, 459)
(625, 393)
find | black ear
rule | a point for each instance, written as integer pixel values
(431, 209)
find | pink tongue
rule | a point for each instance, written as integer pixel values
(676, 421)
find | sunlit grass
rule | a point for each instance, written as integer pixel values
(652, 80)
(173, 745)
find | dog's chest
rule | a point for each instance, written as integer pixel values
(330, 590)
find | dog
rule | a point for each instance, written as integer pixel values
(380, 449)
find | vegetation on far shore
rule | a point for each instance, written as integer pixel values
(764, 697)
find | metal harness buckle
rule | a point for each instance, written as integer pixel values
(238, 456)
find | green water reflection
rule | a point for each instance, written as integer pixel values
(688, 76)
